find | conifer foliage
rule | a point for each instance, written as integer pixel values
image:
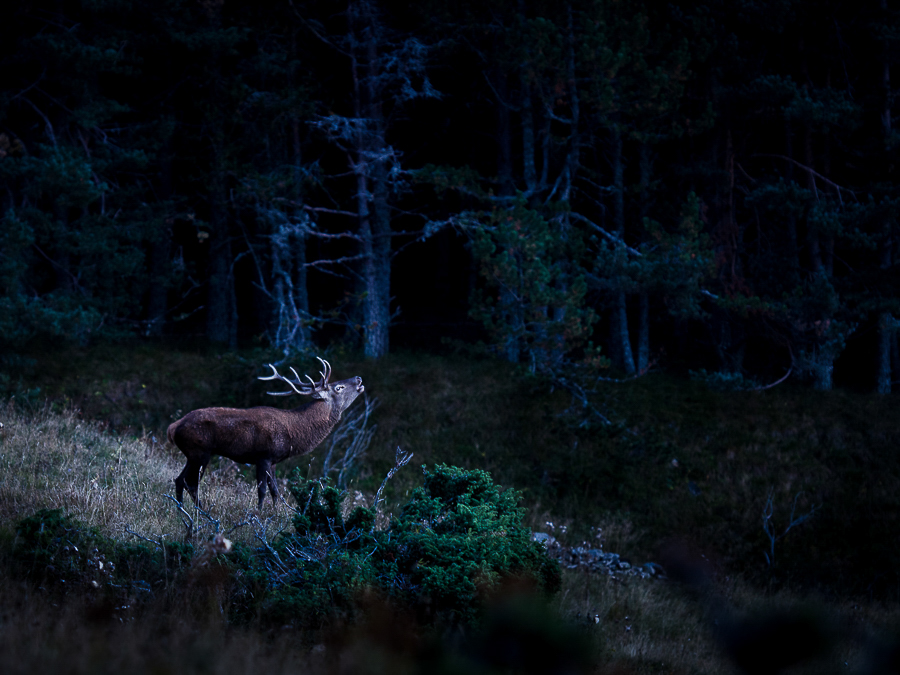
(708, 183)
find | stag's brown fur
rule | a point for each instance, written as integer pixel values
(262, 436)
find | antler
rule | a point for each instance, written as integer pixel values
(298, 386)
(327, 374)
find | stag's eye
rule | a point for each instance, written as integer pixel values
(339, 387)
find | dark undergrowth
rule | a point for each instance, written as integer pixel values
(681, 462)
(682, 477)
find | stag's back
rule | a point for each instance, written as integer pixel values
(248, 435)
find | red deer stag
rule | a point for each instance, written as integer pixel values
(263, 436)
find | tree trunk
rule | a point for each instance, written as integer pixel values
(219, 294)
(620, 342)
(643, 339)
(300, 295)
(509, 307)
(157, 297)
(823, 358)
(885, 335)
(371, 178)
(529, 167)
(504, 138)
(895, 356)
(220, 288)
(793, 242)
(643, 348)
(886, 324)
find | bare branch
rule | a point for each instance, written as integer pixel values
(769, 529)
(401, 459)
(811, 171)
(312, 30)
(128, 530)
(337, 212)
(44, 117)
(186, 518)
(335, 261)
(61, 268)
(776, 382)
(605, 233)
(355, 433)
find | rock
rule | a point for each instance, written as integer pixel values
(543, 538)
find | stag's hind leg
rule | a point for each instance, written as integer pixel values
(190, 478)
(265, 476)
(273, 485)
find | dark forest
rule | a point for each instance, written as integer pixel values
(614, 185)
(637, 262)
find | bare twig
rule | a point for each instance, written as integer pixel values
(49, 126)
(581, 400)
(401, 459)
(353, 435)
(793, 522)
(128, 530)
(605, 234)
(318, 264)
(186, 518)
(776, 382)
(811, 171)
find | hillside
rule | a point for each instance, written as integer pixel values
(682, 461)
(684, 469)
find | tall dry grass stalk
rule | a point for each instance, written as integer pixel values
(118, 484)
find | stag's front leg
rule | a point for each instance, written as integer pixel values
(263, 471)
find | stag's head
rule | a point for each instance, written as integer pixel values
(340, 394)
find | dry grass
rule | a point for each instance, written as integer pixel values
(115, 483)
(55, 459)
(653, 626)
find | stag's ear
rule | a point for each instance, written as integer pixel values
(318, 395)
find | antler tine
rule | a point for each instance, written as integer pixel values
(306, 388)
(315, 385)
(327, 374)
(299, 379)
(271, 377)
(277, 376)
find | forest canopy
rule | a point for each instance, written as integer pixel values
(609, 184)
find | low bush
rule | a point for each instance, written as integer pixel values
(458, 541)
(57, 551)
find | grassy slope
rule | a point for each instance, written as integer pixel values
(835, 449)
(733, 448)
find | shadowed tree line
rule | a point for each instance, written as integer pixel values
(583, 182)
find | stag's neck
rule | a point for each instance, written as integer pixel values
(314, 421)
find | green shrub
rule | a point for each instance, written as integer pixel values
(56, 550)
(457, 540)
(455, 543)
